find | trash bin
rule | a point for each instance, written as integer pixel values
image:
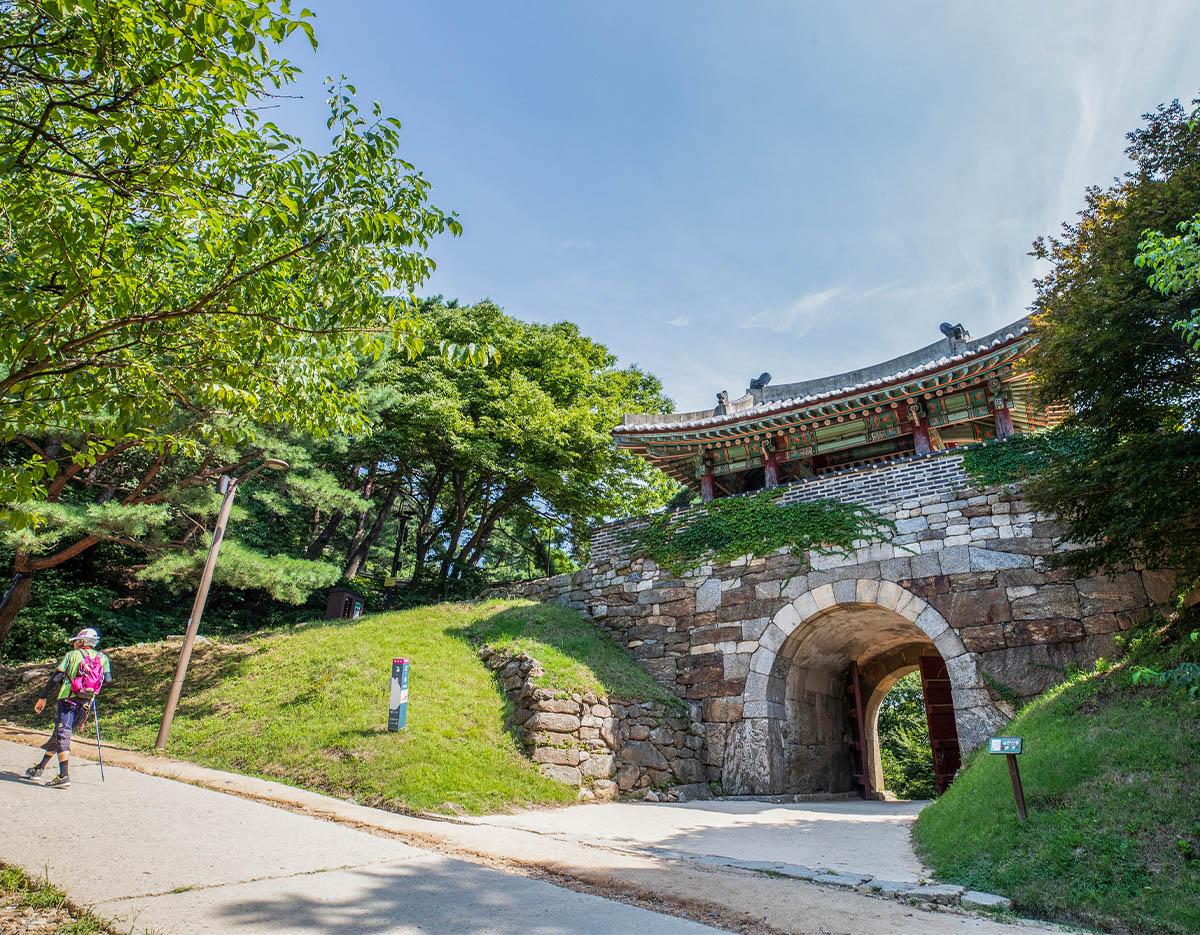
(343, 604)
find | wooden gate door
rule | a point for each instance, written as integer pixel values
(939, 713)
(857, 706)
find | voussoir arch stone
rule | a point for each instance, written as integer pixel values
(858, 592)
(975, 712)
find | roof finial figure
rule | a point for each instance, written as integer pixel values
(760, 382)
(722, 403)
(955, 332)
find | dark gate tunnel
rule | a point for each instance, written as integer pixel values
(808, 696)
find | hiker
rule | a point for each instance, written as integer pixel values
(77, 680)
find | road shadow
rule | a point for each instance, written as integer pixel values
(865, 837)
(442, 896)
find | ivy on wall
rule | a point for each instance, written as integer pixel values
(1024, 456)
(754, 525)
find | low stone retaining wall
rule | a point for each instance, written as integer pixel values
(605, 746)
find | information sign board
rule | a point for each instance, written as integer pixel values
(398, 698)
(1007, 745)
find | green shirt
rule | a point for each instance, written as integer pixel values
(69, 667)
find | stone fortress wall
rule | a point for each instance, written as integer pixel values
(759, 647)
(605, 746)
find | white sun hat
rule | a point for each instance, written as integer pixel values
(87, 635)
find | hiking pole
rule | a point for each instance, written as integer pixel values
(99, 753)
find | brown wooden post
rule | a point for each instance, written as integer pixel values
(193, 624)
(707, 483)
(1018, 792)
(770, 460)
(1000, 410)
(915, 410)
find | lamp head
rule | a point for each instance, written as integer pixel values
(276, 464)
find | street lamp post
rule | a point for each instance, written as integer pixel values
(229, 486)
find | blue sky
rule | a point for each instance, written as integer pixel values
(717, 189)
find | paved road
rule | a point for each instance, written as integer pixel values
(169, 857)
(870, 838)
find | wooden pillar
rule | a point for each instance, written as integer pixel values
(770, 461)
(1000, 410)
(1004, 422)
(915, 410)
(707, 488)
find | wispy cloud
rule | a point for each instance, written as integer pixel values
(801, 315)
(798, 316)
(576, 244)
(680, 321)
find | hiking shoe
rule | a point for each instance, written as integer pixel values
(60, 782)
(34, 772)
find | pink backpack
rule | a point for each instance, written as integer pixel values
(90, 678)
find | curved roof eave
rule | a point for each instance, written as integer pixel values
(920, 362)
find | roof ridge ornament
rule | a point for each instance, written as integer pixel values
(956, 333)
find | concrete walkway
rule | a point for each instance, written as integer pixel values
(868, 838)
(168, 857)
(413, 891)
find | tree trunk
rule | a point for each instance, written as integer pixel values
(24, 567)
(452, 545)
(359, 556)
(398, 551)
(319, 544)
(397, 557)
(360, 526)
(420, 547)
(14, 600)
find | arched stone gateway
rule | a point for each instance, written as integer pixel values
(762, 647)
(797, 729)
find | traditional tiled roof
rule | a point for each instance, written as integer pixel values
(939, 356)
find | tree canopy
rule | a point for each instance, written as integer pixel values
(175, 269)
(470, 451)
(1111, 350)
(180, 279)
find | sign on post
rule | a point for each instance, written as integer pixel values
(1004, 745)
(1010, 748)
(398, 699)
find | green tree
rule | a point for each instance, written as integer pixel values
(179, 278)
(1109, 350)
(904, 741)
(1175, 262)
(523, 445)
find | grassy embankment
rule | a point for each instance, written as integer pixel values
(308, 705)
(36, 906)
(1112, 780)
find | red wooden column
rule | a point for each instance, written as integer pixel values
(770, 461)
(707, 485)
(939, 714)
(1003, 415)
(915, 410)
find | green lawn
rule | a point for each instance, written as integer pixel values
(308, 706)
(1112, 781)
